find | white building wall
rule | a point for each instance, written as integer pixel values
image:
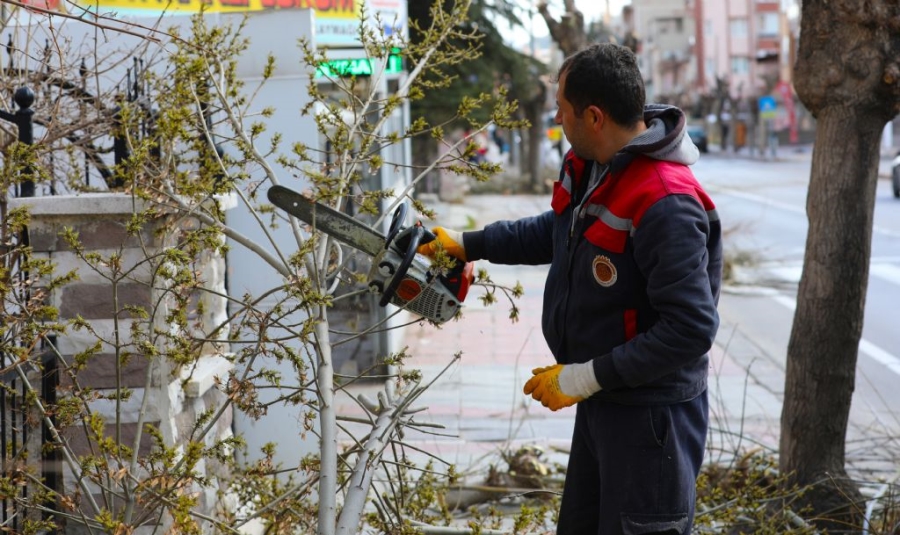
(731, 51)
(276, 33)
(666, 34)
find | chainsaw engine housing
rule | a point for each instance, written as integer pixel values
(419, 291)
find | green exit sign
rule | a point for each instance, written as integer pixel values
(336, 68)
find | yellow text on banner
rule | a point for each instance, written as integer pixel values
(325, 9)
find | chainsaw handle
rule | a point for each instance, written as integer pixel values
(397, 220)
(415, 236)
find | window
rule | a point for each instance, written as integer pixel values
(738, 27)
(768, 24)
(740, 65)
(670, 25)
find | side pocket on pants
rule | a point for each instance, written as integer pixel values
(660, 418)
(643, 524)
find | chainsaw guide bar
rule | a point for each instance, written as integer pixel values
(336, 224)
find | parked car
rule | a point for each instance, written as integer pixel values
(698, 135)
(895, 175)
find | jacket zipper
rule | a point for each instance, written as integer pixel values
(577, 211)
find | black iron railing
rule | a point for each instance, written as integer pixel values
(101, 144)
(14, 434)
(24, 436)
(23, 118)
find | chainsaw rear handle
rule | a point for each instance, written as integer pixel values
(415, 237)
(396, 231)
(396, 221)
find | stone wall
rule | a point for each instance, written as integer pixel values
(163, 395)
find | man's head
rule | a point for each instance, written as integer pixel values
(600, 99)
(607, 76)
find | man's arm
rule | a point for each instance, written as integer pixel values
(525, 241)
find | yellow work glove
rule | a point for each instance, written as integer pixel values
(562, 385)
(449, 240)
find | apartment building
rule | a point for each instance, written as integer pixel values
(688, 44)
(666, 29)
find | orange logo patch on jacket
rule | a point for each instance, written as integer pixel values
(604, 271)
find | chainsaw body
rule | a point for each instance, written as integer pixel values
(419, 291)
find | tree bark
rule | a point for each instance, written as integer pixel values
(328, 466)
(568, 32)
(847, 76)
(534, 112)
(822, 352)
(536, 135)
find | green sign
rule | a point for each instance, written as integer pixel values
(336, 68)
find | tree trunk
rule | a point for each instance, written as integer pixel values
(536, 136)
(847, 75)
(568, 32)
(534, 112)
(822, 352)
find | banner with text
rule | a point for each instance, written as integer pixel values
(337, 21)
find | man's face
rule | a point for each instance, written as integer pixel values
(572, 125)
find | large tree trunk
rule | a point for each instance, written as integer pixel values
(568, 32)
(821, 364)
(534, 112)
(536, 134)
(848, 77)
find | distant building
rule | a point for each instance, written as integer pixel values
(666, 32)
(745, 42)
(686, 45)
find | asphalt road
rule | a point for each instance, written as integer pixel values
(762, 206)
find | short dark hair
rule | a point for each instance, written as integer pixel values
(607, 76)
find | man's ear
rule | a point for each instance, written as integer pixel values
(596, 117)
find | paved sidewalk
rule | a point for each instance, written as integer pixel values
(479, 398)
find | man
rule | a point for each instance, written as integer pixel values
(629, 313)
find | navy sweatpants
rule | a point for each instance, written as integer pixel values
(633, 468)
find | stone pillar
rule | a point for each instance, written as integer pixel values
(164, 395)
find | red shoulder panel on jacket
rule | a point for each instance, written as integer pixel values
(645, 182)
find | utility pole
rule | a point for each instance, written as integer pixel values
(784, 54)
(531, 29)
(699, 46)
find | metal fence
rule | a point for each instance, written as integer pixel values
(72, 117)
(60, 114)
(79, 143)
(71, 154)
(23, 436)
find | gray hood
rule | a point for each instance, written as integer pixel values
(665, 138)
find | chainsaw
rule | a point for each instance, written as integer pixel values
(401, 276)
